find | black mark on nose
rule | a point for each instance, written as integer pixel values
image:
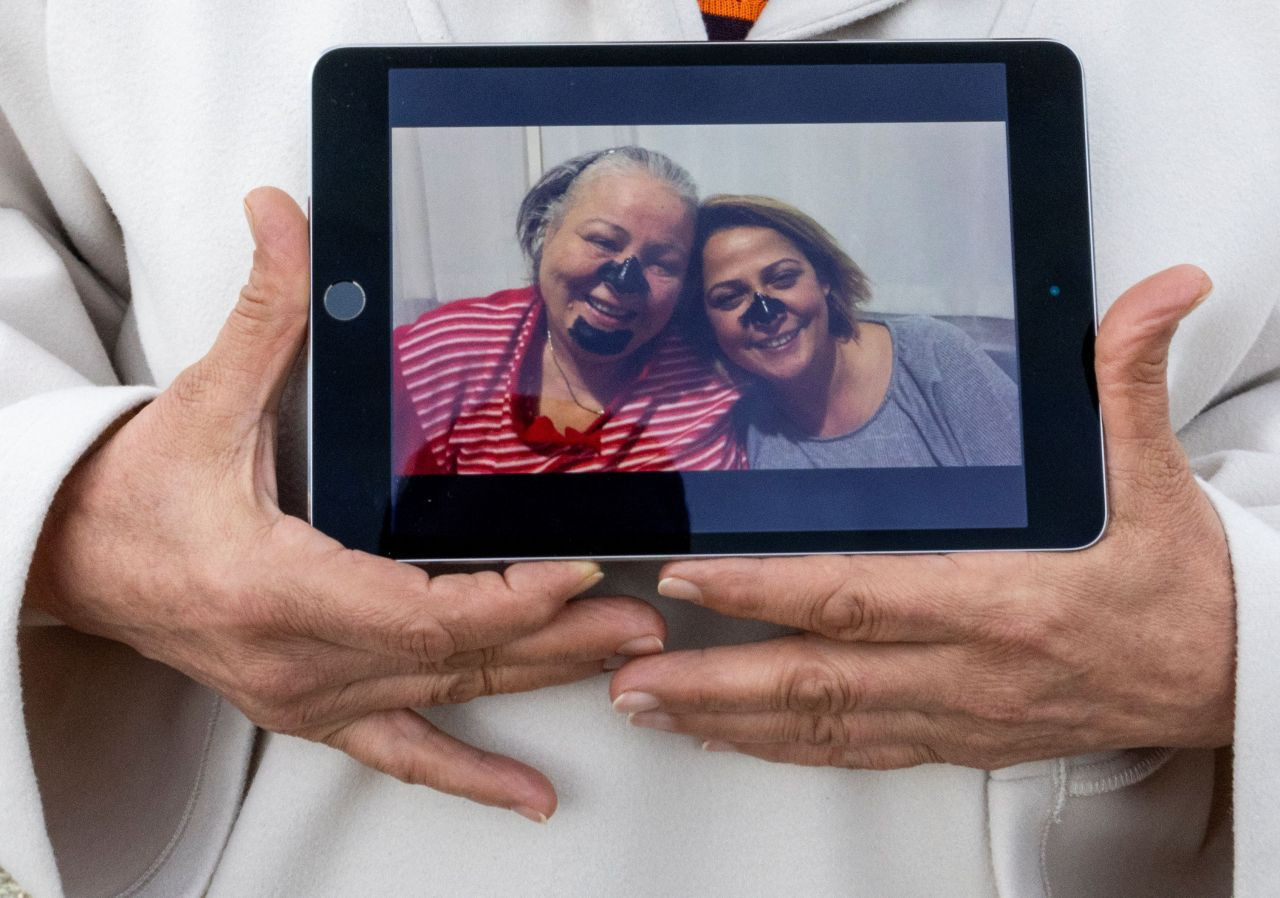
(763, 311)
(624, 277)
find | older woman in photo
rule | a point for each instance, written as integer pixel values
(828, 389)
(579, 371)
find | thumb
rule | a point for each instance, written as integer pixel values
(1132, 354)
(245, 370)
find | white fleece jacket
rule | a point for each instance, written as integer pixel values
(128, 134)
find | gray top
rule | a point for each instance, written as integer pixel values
(948, 403)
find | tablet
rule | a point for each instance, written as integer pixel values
(602, 301)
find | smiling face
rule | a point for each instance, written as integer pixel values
(739, 262)
(612, 218)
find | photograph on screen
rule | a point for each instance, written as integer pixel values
(702, 298)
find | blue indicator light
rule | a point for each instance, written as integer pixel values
(1055, 291)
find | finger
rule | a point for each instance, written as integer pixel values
(402, 744)
(918, 598)
(596, 629)
(1132, 355)
(874, 757)
(807, 675)
(432, 690)
(489, 607)
(590, 630)
(245, 370)
(372, 603)
(863, 728)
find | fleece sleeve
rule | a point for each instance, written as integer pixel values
(1235, 446)
(1182, 142)
(63, 304)
(58, 391)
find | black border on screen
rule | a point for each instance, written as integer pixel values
(637, 515)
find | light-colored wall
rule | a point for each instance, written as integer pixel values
(922, 207)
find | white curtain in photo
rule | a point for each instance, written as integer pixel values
(455, 193)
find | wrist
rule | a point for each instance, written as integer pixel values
(55, 563)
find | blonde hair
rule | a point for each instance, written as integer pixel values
(847, 285)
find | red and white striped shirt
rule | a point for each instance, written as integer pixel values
(458, 408)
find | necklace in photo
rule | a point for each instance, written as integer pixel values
(555, 360)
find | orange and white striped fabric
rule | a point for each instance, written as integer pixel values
(459, 409)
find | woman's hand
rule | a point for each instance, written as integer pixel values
(167, 537)
(985, 660)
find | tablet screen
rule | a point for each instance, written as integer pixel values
(906, 170)
(660, 300)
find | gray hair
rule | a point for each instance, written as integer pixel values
(547, 201)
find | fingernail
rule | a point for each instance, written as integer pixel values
(653, 720)
(675, 588)
(530, 814)
(248, 214)
(641, 645)
(590, 573)
(712, 745)
(630, 702)
(1206, 287)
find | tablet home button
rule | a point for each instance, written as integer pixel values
(344, 300)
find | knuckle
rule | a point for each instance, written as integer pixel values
(490, 680)
(285, 608)
(306, 679)
(1109, 355)
(841, 614)
(860, 759)
(929, 755)
(1005, 708)
(426, 641)
(479, 658)
(1125, 359)
(816, 687)
(506, 598)
(462, 688)
(260, 315)
(1017, 635)
(1148, 372)
(257, 306)
(401, 766)
(1038, 620)
(889, 758)
(464, 606)
(826, 729)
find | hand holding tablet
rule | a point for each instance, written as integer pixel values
(984, 659)
(167, 537)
